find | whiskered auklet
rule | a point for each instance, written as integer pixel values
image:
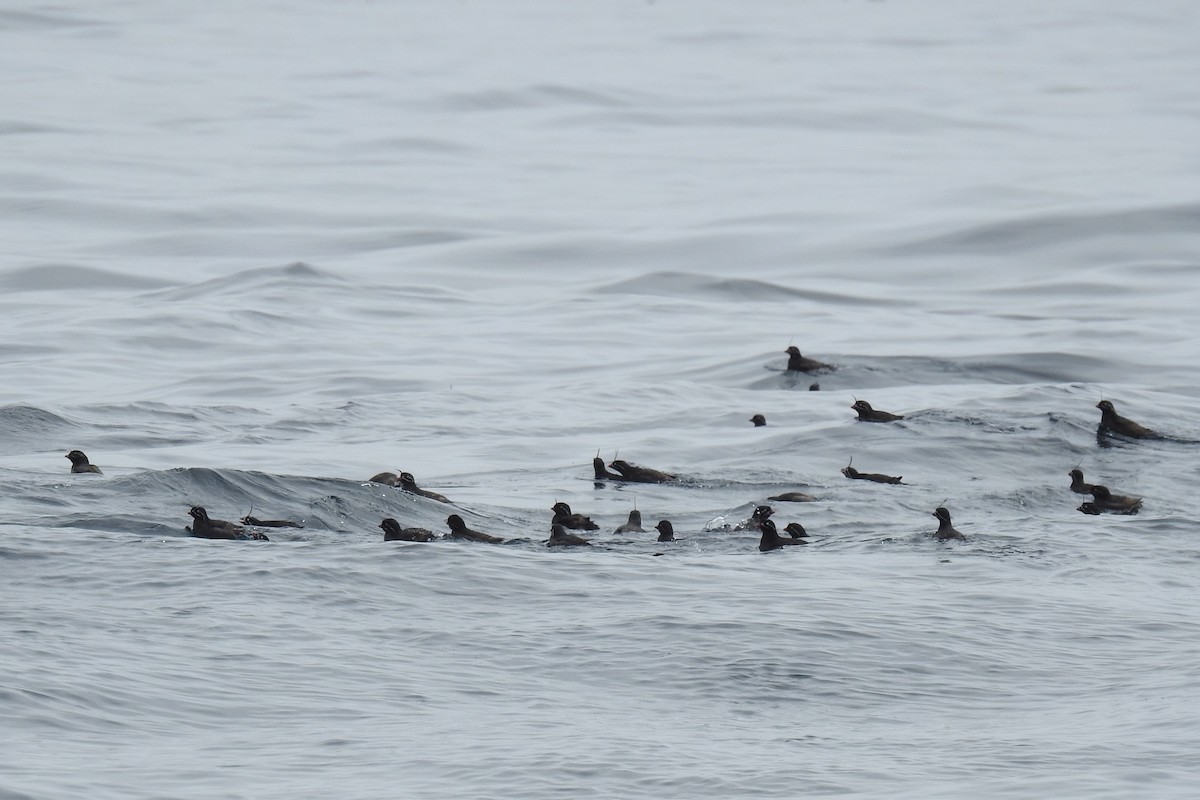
(792, 497)
(945, 529)
(634, 525)
(409, 484)
(1112, 422)
(559, 537)
(798, 363)
(459, 530)
(636, 474)
(386, 478)
(759, 420)
(80, 463)
(1077, 484)
(666, 531)
(602, 473)
(796, 530)
(852, 473)
(392, 532)
(868, 414)
(771, 540)
(568, 519)
(1111, 503)
(270, 523)
(207, 528)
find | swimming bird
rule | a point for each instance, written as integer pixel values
(1089, 508)
(851, 472)
(392, 532)
(1112, 422)
(792, 497)
(636, 474)
(759, 420)
(796, 530)
(560, 538)
(568, 519)
(459, 530)
(634, 525)
(945, 529)
(409, 484)
(386, 478)
(602, 473)
(798, 363)
(80, 463)
(269, 523)
(207, 528)
(868, 414)
(666, 531)
(1111, 503)
(1077, 484)
(771, 540)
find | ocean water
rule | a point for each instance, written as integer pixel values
(253, 254)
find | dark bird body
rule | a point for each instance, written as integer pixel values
(459, 530)
(207, 528)
(409, 484)
(759, 420)
(634, 525)
(559, 537)
(80, 463)
(798, 363)
(796, 530)
(602, 473)
(851, 472)
(270, 523)
(666, 531)
(945, 529)
(868, 414)
(771, 540)
(1077, 484)
(386, 478)
(793, 497)
(568, 519)
(1112, 422)
(636, 474)
(392, 532)
(1111, 503)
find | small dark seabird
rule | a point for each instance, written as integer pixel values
(1111, 503)
(634, 525)
(852, 473)
(459, 530)
(602, 473)
(771, 540)
(269, 523)
(868, 414)
(798, 363)
(79, 463)
(636, 474)
(386, 478)
(560, 538)
(1112, 422)
(666, 531)
(409, 484)
(392, 532)
(796, 530)
(814, 387)
(1090, 508)
(759, 420)
(565, 517)
(1077, 484)
(945, 529)
(793, 497)
(208, 528)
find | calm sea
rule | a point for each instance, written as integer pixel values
(252, 254)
